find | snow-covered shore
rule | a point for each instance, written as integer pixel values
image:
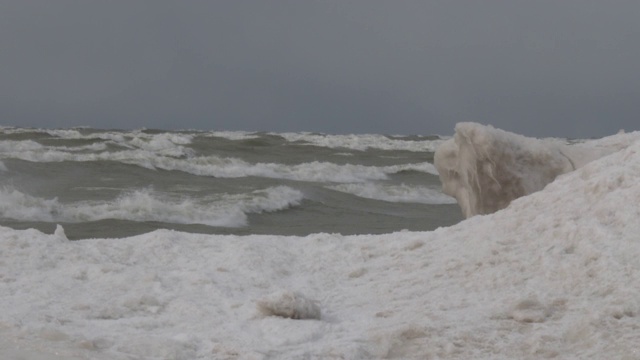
(554, 275)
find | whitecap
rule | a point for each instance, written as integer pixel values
(10, 147)
(162, 155)
(17, 205)
(362, 142)
(395, 193)
(233, 135)
(425, 167)
(65, 133)
(148, 205)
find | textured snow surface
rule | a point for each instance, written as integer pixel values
(554, 275)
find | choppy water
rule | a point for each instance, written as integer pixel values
(99, 183)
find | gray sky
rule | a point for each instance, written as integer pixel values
(540, 68)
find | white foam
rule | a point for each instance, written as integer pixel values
(17, 205)
(232, 135)
(166, 143)
(65, 133)
(425, 167)
(148, 205)
(312, 171)
(396, 193)
(11, 147)
(136, 136)
(362, 142)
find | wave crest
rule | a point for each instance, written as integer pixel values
(148, 205)
(396, 193)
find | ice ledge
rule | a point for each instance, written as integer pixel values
(486, 168)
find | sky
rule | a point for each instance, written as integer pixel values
(567, 68)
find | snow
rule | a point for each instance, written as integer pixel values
(553, 275)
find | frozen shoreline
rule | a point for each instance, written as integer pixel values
(555, 274)
(486, 168)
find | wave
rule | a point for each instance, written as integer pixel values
(311, 172)
(148, 205)
(176, 144)
(362, 142)
(180, 159)
(30, 150)
(183, 137)
(173, 137)
(425, 167)
(9, 148)
(396, 193)
(166, 143)
(232, 135)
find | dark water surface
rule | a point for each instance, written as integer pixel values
(100, 183)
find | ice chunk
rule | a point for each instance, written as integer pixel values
(529, 310)
(60, 234)
(289, 304)
(486, 168)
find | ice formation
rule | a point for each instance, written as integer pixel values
(60, 234)
(486, 168)
(289, 304)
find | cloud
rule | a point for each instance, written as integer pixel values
(542, 68)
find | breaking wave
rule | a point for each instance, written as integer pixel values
(396, 193)
(148, 205)
(362, 142)
(178, 158)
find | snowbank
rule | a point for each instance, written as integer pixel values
(486, 168)
(554, 275)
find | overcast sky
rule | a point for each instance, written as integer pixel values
(540, 68)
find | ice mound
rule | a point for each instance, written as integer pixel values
(529, 310)
(59, 233)
(289, 304)
(486, 168)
